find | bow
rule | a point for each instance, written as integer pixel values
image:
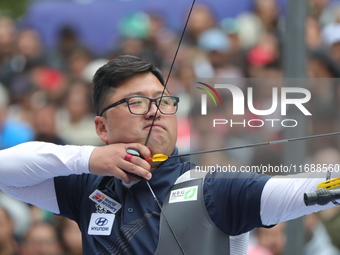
(162, 157)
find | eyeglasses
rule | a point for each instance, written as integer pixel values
(140, 105)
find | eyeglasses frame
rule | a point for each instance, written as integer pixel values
(151, 100)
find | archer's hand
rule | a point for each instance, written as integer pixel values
(109, 161)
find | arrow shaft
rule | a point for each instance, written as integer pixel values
(258, 144)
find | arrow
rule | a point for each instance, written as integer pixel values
(162, 157)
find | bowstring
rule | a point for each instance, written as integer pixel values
(154, 119)
(171, 67)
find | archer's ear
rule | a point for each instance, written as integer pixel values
(100, 124)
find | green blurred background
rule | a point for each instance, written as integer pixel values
(14, 8)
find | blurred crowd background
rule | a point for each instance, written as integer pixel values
(47, 63)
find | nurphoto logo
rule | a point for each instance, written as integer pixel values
(281, 99)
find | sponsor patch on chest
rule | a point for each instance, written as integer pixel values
(183, 194)
(101, 224)
(105, 201)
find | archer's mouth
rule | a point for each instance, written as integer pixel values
(155, 125)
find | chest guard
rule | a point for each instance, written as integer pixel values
(185, 210)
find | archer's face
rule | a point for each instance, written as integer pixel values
(118, 125)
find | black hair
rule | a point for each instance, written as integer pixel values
(112, 74)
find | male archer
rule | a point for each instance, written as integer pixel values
(117, 213)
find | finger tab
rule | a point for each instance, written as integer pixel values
(133, 152)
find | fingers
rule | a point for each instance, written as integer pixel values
(143, 150)
(112, 160)
(136, 168)
(135, 155)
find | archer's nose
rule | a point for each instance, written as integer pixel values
(153, 111)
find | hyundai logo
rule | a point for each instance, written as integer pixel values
(101, 221)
